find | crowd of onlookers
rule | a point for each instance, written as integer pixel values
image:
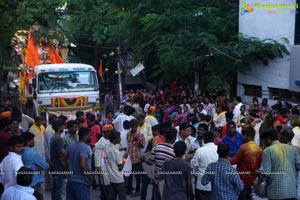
(188, 146)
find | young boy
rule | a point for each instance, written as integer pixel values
(12, 162)
(22, 189)
(177, 175)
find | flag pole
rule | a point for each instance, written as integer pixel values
(119, 75)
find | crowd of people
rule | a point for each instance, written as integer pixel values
(187, 146)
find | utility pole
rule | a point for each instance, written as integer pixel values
(119, 75)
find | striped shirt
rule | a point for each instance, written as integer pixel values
(160, 153)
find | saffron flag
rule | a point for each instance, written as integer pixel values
(54, 57)
(32, 54)
(101, 70)
(32, 57)
(29, 76)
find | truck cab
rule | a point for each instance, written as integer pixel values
(64, 89)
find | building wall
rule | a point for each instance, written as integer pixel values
(274, 23)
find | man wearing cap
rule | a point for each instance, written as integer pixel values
(150, 119)
(99, 161)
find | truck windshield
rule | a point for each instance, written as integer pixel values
(70, 81)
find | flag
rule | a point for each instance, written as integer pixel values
(54, 57)
(32, 56)
(29, 76)
(101, 70)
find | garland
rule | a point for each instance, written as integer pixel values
(62, 102)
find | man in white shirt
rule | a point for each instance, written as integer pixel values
(184, 134)
(22, 190)
(115, 165)
(237, 109)
(12, 162)
(126, 115)
(100, 164)
(204, 156)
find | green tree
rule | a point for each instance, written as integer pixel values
(175, 39)
(20, 15)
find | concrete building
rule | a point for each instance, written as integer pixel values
(280, 79)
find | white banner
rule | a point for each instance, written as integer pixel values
(137, 69)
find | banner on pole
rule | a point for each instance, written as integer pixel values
(137, 69)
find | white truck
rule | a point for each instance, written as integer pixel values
(64, 89)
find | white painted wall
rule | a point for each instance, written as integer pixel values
(273, 23)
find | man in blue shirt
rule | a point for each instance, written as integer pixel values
(225, 180)
(79, 157)
(31, 158)
(233, 138)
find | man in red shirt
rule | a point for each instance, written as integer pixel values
(248, 159)
(95, 129)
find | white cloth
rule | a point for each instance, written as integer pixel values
(256, 136)
(99, 158)
(118, 122)
(146, 131)
(39, 140)
(123, 143)
(188, 141)
(18, 192)
(138, 109)
(236, 111)
(202, 158)
(9, 168)
(151, 120)
(146, 107)
(220, 119)
(113, 160)
(188, 106)
(296, 139)
(26, 122)
(195, 145)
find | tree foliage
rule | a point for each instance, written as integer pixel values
(173, 38)
(20, 15)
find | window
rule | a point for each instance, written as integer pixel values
(284, 95)
(69, 81)
(297, 25)
(253, 90)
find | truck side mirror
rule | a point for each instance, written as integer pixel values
(34, 83)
